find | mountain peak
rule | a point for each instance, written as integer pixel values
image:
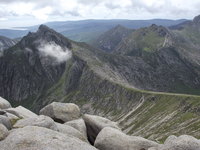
(196, 19)
(46, 34)
(43, 28)
(162, 31)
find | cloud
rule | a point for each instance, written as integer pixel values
(3, 19)
(58, 10)
(54, 51)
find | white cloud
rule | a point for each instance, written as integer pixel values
(54, 51)
(51, 10)
(3, 19)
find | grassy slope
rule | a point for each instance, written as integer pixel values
(160, 115)
(149, 42)
(152, 115)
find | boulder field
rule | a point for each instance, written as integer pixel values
(61, 126)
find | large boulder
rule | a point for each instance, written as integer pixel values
(5, 121)
(95, 124)
(78, 124)
(61, 112)
(68, 130)
(170, 140)
(4, 104)
(183, 142)
(40, 121)
(3, 132)
(21, 112)
(39, 138)
(113, 139)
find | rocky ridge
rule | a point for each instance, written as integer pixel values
(35, 132)
(155, 54)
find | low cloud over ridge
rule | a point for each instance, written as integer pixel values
(55, 51)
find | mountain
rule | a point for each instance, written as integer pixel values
(161, 54)
(6, 43)
(45, 67)
(109, 40)
(30, 71)
(149, 39)
(88, 30)
(190, 32)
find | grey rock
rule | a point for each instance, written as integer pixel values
(40, 121)
(95, 124)
(5, 121)
(153, 148)
(78, 124)
(68, 130)
(12, 118)
(4, 104)
(21, 112)
(61, 112)
(38, 138)
(2, 112)
(183, 142)
(170, 139)
(3, 132)
(113, 139)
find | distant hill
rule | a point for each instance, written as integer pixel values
(88, 30)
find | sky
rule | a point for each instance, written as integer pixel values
(21, 13)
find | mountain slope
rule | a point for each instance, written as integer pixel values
(96, 81)
(155, 54)
(6, 43)
(109, 40)
(26, 71)
(190, 31)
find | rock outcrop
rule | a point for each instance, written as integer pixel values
(21, 129)
(70, 131)
(38, 138)
(78, 124)
(5, 121)
(4, 104)
(11, 117)
(40, 121)
(61, 112)
(183, 142)
(3, 132)
(21, 112)
(95, 124)
(113, 139)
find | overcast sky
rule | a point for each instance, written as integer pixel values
(15, 13)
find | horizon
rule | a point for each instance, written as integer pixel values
(24, 27)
